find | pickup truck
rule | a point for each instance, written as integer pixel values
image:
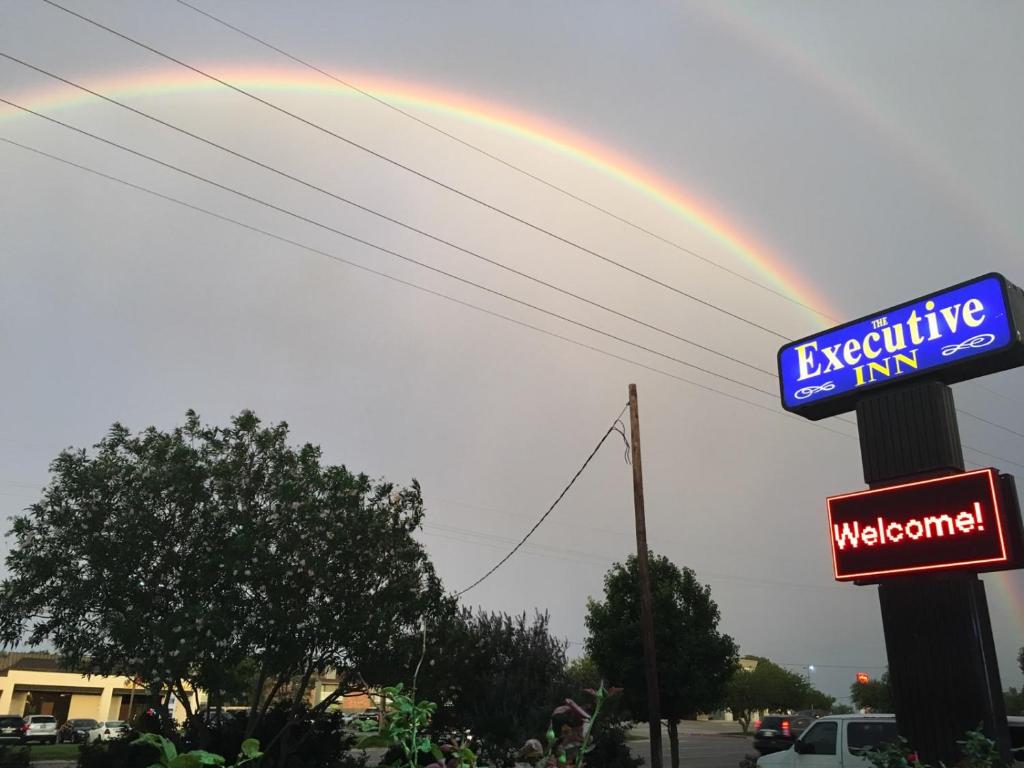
(838, 741)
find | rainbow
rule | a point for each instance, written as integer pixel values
(532, 128)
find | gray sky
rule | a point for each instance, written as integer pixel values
(869, 149)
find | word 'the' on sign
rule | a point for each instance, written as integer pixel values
(968, 521)
(968, 330)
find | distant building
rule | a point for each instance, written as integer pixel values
(35, 684)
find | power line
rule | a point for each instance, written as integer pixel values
(379, 214)
(413, 285)
(498, 159)
(550, 184)
(615, 427)
(990, 423)
(443, 185)
(414, 261)
(385, 275)
(356, 265)
(382, 249)
(426, 266)
(440, 240)
(413, 171)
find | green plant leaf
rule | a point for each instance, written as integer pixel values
(437, 753)
(167, 746)
(251, 748)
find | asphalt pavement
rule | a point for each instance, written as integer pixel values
(713, 744)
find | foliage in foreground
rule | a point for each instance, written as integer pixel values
(494, 675)
(976, 750)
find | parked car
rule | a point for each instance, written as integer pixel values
(111, 730)
(775, 733)
(371, 715)
(41, 728)
(10, 729)
(78, 731)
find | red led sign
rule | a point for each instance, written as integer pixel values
(958, 522)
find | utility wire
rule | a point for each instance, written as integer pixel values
(385, 275)
(613, 428)
(500, 160)
(379, 214)
(547, 183)
(447, 297)
(382, 249)
(413, 171)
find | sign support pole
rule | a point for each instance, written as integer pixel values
(646, 610)
(938, 636)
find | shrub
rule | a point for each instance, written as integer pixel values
(116, 754)
(13, 757)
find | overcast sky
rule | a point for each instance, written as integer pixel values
(872, 150)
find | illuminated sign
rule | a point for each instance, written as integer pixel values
(968, 521)
(862, 678)
(956, 334)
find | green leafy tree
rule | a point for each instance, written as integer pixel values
(875, 695)
(769, 687)
(582, 673)
(184, 556)
(496, 675)
(1014, 700)
(695, 660)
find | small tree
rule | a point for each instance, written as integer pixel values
(875, 695)
(695, 660)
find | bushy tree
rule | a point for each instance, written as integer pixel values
(496, 675)
(769, 687)
(875, 695)
(695, 660)
(182, 556)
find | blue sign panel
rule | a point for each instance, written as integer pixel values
(956, 334)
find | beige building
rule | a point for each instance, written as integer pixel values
(34, 684)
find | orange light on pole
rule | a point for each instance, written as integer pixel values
(862, 678)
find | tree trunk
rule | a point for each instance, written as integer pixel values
(673, 740)
(254, 702)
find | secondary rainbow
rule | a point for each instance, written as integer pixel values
(532, 128)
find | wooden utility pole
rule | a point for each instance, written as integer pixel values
(646, 612)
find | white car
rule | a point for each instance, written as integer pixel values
(111, 730)
(836, 741)
(42, 728)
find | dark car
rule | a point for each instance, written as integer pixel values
(775, 733)
(10, 729)
(76, 731)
